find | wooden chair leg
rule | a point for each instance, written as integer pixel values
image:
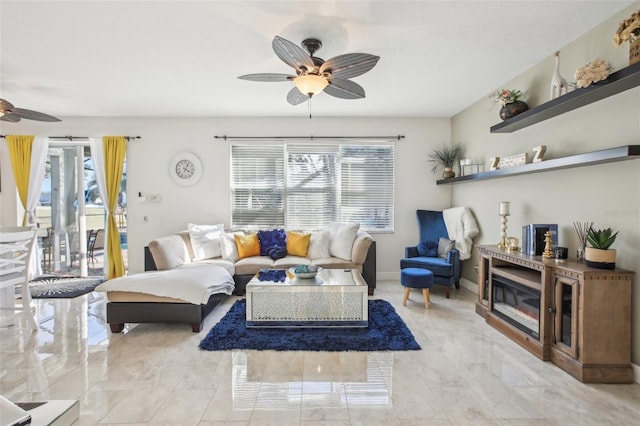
(405, 297)
(447, 291)
(427, 298)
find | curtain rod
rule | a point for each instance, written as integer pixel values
(311, 137)
(71, 138)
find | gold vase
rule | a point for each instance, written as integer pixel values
(634, 52)
(448, 173)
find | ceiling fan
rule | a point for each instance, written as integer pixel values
(315, 75)
(12, 114)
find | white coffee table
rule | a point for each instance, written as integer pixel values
(334, 298)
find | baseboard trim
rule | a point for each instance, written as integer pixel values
(469, 285)
(388, 276)
(636, 372)
(395, 276)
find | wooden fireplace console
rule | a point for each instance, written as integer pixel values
(584, 315)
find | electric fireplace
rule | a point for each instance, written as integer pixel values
(517, 304)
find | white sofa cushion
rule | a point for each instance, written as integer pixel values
(251, 265)
(205, 240)
(342, 237)
(228, 246)
(319, 245)
(290, 262)
(169, 252)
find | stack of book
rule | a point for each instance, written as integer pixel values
(533, 237)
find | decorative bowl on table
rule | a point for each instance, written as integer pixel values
(305, 271)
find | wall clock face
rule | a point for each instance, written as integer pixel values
(185, 168)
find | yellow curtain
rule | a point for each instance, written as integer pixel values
(20, 154)
(115, 148)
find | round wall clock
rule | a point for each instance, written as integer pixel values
(185, 168)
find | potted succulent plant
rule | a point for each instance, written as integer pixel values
(446, 156)
(599, 255)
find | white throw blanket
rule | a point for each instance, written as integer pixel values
(462, 227)
(191, 284)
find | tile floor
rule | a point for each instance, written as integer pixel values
(466, 373)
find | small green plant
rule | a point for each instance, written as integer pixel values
(601, 238)
(446, 155)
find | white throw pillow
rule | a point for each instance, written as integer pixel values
(205, 240)
(342, 237)
(319, 245)
(229, 247)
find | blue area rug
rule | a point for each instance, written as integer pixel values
(386, 332)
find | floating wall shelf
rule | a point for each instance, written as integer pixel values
(625, 79)
(621, 153)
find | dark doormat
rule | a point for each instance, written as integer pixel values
(62, 287)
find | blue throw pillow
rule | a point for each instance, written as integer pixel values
(428, 249)
(277, 252)
(268, 239)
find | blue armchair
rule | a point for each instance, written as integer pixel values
(445, 271)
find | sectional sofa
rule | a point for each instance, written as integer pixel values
(220, 267)
(176, 250)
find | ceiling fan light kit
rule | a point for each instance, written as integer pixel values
(315, 75)
(310, 84)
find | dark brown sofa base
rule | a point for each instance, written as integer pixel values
(119, 313)
(368, 271)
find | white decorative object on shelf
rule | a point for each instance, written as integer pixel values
(593, 72)
(559, 85)
(538, 153)
(512, 161)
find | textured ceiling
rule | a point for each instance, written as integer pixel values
(182, 58)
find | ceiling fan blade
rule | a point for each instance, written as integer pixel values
(296, 97)
(10, 117)
(268, 77)
(5, 105)
(33, 115)
(291, 54)
(349, 65)
(344, 89)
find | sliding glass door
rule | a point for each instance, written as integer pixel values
(71, 215)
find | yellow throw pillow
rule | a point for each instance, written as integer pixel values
(248, 245)
(298, 243)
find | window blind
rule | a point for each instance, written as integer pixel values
(313, 185)
(367, 178)
(257, 186)
(303, 186)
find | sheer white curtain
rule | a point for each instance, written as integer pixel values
(37, 170)
(97, 153)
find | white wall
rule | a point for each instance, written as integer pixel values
(208, 201)
(607, 194)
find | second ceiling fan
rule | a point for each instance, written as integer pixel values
(10, 113)
(315, 75)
